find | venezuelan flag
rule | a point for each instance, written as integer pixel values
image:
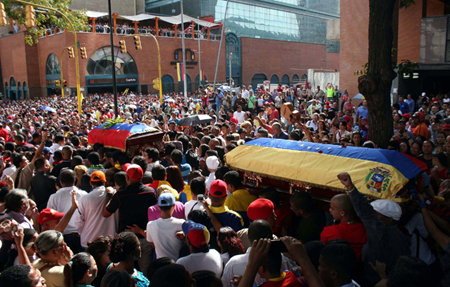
(202, 75)
(375, 172)
(180, 72)
(117, 135)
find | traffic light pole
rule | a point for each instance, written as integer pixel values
(159, 61)
(113, 60)
(77, 67)
(61, 70)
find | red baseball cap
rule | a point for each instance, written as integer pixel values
(134, 171)
(48, 214)
(408, 116)
(218, 188)
(260, 209)
(197, 233)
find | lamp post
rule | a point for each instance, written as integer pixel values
(113, 60)
(230, 57)
(220, 45)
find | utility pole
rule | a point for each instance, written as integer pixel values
(200, 74)
(184, 54)
(229, 60)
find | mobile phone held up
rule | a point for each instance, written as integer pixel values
(200, 197)
(278, 245)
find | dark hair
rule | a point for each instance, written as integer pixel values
(175, 178)
(184, 141)
(117, 278)
(220, 151)
(14, 199)
(67, 177)
(17, 275)
(194, 174)
(28, 234)
(200, 216)
(198, 186)
(158, 172)
(410, 272)
(259, 229)
(98, 247)
(176, 156)
(120, 178)
(18, 160)
(157, 264)
(93, 158)
(233, 178)
(302, 201)
(230, 242)
(140, 161)
(204, 278)
(204, 148)
(221, 171)
(152, 153)
(77, 160)
(75, 270)
(169, 148)
(39, 163)
(75, 140)
(342, 257)
(442, 158)
(271, 194)
(313, 249)
(123, 246)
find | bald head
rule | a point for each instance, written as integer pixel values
(344, 205)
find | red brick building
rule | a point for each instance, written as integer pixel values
(33, 71)
(420, 34)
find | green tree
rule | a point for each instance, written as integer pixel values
(46, 18)
(376, 83)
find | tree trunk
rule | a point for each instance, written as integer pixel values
(376, 84)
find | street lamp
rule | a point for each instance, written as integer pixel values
(230, 58)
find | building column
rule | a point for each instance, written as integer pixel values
(156, 26)
(93, 24)
(114, 19)
(135, 27)
(176, 27)
(192, 29)
(208, 32)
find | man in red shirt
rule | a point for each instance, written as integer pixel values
(350, 228)
(275, 114)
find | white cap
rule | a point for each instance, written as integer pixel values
(388, 208)
(212, 162)
(423, 94)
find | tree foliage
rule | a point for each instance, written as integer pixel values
(46, 18)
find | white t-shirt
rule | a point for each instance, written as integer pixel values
(162, 233)
(192, 205)
(211, 261)
(239, 116)
(211, 177)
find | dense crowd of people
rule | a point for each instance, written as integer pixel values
(174, 214)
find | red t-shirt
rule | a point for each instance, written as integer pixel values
(354, 233)
(284, 217)
(287, 279)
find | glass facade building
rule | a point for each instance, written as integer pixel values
(285, 20)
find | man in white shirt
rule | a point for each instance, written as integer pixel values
(197, 187)
(239, 114)
(201, 257)
(161, 233)
(245, 92)
(62, 201)
(258, 229)
(90, 221)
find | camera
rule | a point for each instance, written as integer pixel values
(200, 197)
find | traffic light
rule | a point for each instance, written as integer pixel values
(156, 84)
(58, 83)
(2, 15)
(64, 83)
(123, 46)
(83, 53)
(137, 42)
(70, 51)
(30, 16)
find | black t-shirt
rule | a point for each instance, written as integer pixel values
(133, 203)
